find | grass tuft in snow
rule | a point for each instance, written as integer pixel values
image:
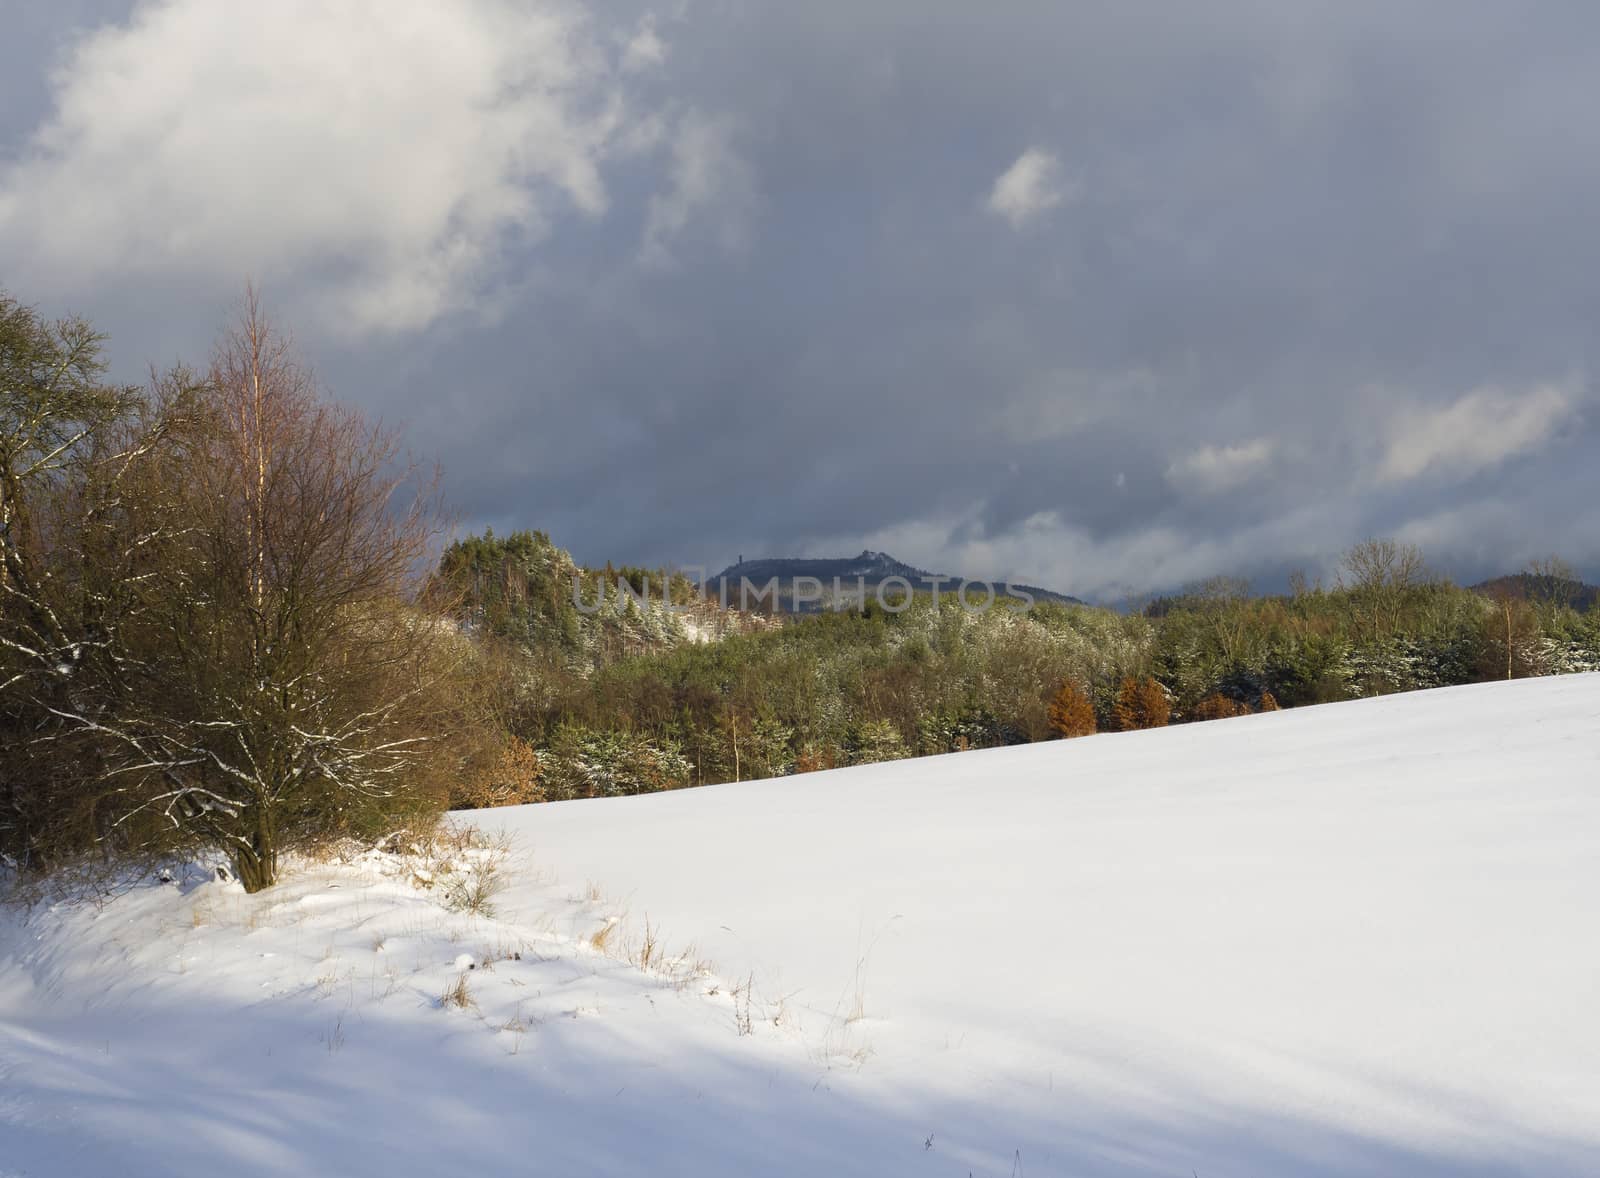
(647, 956)
(600, 939)
(458, 995)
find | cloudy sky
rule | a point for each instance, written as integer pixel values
(1104, 296)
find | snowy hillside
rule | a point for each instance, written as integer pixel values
(1356, 939)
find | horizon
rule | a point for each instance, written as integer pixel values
(704, 576)
(1277, 586)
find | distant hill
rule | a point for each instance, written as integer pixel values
(524, 589)
(1534, 587)
(855, 576)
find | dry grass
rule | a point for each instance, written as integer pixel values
(391, 977)
(687, 969)
(743, 996)
(474, 890)
(462, 861)
(858, 988)
(858, 1007)
(473, 874)
(858, 1057)
(517, 1026)
(600, 940)
(502, 950)
(780, 1014)
(648, 954)
(458, 995)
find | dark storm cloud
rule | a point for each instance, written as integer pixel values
(1278, 277)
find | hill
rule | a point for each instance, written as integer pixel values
(525, 589)
(1353, 939)
(1567, 591)
(856, 576)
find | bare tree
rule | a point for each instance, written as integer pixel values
(1380, 574)
(281, 680)
(1301, 585)
(1222, 601)
(1552, 582)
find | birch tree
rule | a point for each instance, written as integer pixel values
(296, 686)
(274, 676)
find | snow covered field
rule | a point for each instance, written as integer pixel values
(1357, 939)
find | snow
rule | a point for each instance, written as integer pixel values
(1355, 939)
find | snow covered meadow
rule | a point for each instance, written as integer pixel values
(1352, 939)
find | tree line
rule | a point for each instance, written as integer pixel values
(869, 685)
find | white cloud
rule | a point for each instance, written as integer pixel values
(707, 177)
(1048, 549)
(1212, 469)
(645, 49)
(1483, 429)
(1031, 186)
(380, 152)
